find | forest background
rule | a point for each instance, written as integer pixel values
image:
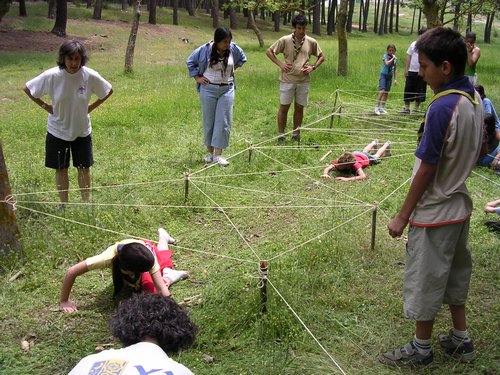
(333, 301)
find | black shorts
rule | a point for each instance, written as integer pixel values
(415, 87)
(57, 154)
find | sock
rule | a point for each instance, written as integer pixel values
(459, 337)
(423, 347)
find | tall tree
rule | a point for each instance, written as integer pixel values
(9, 232)
(277, 19)
(332, 9)
(342, 37)
(233, 19)
(175, 12)
(129, 53)
(350, 13)
(61, 18)
(52, 9)
(215, 14)
(152, 12)
(22, 8)
(189, 7)
(381, 25)
(97, 10)
(431, 11)
(316, 17)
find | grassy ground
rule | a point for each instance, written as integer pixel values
(315, 233)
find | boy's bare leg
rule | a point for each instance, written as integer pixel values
(84, 183)
(62, 184)
(370, 146)
(282, 116)
(162, 242)
(217, 151)
(423, 329)
(298, 115)
(458, 317)
(379, 98)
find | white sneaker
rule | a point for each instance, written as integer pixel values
(383, 111)
(172, 276)
(162, 233)
(387, 151)
(221, 161)
(377, 111)
(209, 158)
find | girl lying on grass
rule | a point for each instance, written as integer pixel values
(357, 160)
(138, 264)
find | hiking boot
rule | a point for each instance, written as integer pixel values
(407, 356)
(464, 351)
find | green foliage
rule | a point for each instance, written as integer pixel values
(148, 134)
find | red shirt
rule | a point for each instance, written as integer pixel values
(361, 162)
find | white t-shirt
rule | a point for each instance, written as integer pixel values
(70, 94)
(413, 53)
(140, 358)
(217, 74)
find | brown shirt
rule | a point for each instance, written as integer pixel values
(285, 45)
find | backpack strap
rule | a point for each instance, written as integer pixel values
(473, 100)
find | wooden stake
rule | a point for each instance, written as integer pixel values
(263, 286)
(374, 226)
(250, 150)
(334, 106)
(186, 187)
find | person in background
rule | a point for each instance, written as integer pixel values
(70, 87)
(149, 326)
(415, 86)
(387, 75)
(473, 55)
(212, 66)
(295, 73)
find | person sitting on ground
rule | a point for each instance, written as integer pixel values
(149, 326)
(138, 264)
(493, 207)
(490, 154)
(357, 160)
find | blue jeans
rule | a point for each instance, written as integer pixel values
(486, 160)
(217, 111)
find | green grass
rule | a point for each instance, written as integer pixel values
(148, 134)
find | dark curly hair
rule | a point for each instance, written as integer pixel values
(154, 316)
(69, 48)
(133, 258)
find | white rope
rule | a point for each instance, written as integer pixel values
(230, 221)
(486, 178)
(319, 235)
(305, 327)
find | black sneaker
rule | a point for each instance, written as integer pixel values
(407, 356)
(296, 136)
(281, 140)
(463, 351)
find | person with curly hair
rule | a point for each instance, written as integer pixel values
(149, 326)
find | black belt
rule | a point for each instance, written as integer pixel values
(221, 84)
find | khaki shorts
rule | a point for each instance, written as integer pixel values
(438, 269)
(294, 91)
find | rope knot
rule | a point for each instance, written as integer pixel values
(10, 200)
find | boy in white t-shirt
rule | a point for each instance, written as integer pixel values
(149, 325)
(70, 87)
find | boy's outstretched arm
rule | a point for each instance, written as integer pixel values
(418, 186)
(327, 170)
(360, 176)
(69, 279)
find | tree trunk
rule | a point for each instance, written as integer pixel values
(129, 54)
(350, 13)
(233, 19)
(215, 14)
(457, 16)
(124, 5)
(397, 16)
(277, 20)
(152, 12)
(61, 18)
(366, 11)
(330, 25)
(323, 13)
(89, 4)
(413, 20)
(253, 26)
(9, 232)
(4, 8)
(381, 25)
(419, 23)
(442, 11)
(52, 9)
(175, 12)
(342, 37)
(317, 17)
(97, 10)
(431, 11)
(391, 18)
(189, 7)
(487, 28)
(375, 16)
(22, 8)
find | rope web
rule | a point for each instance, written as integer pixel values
(295, 191)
